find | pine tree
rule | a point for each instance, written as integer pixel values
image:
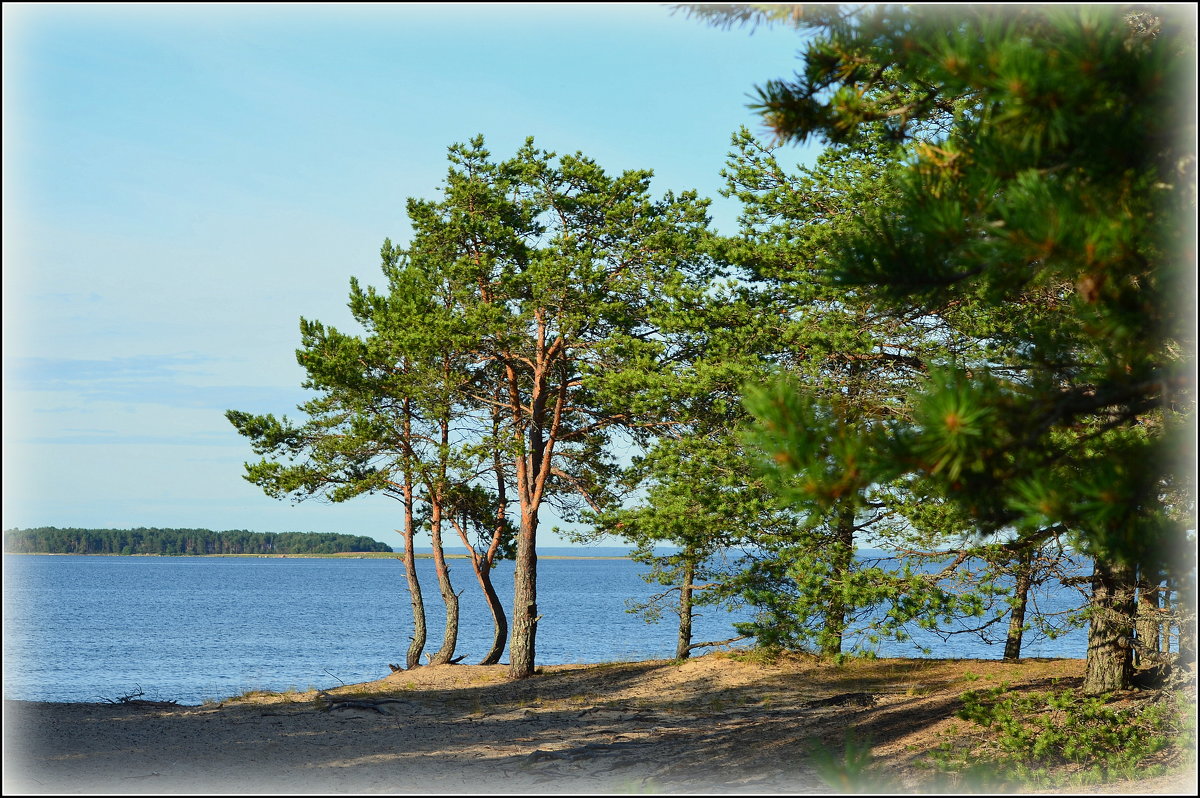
(555, 268)
(1048, 174)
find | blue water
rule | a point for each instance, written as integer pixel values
(85, 628)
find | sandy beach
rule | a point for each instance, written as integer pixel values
(713, 724)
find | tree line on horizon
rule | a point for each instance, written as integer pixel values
(961, 337)
(143, 540)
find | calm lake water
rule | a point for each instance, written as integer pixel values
(84, 628)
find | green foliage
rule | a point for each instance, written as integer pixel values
(698, 495)
(1037, 218)
(1056, 739)
(843, 365)
(1042, 181)
(836, 362)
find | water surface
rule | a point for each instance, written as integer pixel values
(85, 628)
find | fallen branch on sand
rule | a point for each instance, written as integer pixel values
(133, 699)
(345, 702)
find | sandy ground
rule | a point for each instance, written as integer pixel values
(713, 724)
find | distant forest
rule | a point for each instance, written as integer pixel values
(52, 540)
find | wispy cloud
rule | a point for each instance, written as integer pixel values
(170, 381)
(117, 438)
(54, 373)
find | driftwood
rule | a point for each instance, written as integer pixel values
(429, 657)
(135, 700)
(333, 702)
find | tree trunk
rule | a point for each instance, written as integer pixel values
(525, 617)
(482, 564)
(1165, 627)
(1110, 654)
(840, 561)
(533, 468)
(1148, 615)
(499, 620)
(683, 647)
(1185, 619)
(417, 644)
(1016, 620)
(450, 638)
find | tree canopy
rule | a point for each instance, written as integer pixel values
(1047, 174)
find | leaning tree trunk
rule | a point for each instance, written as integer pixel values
(483, 565)
(450, 639)
(841, 560)
(417, 644)
(1016, 620)
(683, 647)
(499, 620)
(1110, 655)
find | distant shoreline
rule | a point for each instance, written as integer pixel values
(346, 555)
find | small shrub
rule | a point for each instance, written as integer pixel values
(1060, 738)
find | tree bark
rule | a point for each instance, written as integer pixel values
(533, 469)
(417, 644)
(1185, 618)
(1148, 616)
(1165, 628)
(499, 620)
(482, 565)
(683, 647)
(450, 638)
(840, 562)
(1016, 620)
(1110, 653)
(484, 569)
(525, 617)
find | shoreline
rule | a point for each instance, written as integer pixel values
(499, 673)
(720, 723)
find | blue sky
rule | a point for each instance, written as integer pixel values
(183, 183)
